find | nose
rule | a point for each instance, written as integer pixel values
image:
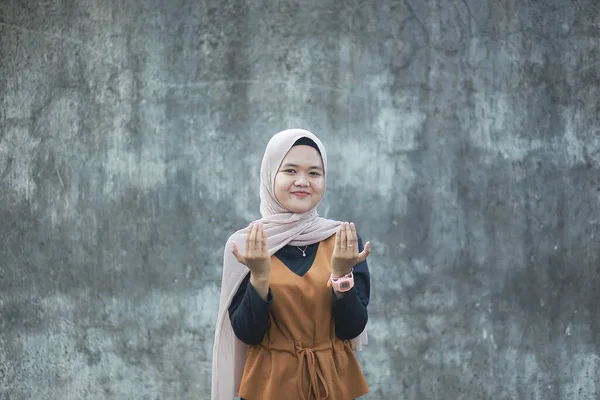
(301, 181)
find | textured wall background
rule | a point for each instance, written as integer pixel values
(464, 141)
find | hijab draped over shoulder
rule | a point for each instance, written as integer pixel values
(282, 227)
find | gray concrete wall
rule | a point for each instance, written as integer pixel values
(464, 141)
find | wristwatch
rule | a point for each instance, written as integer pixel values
(341, 283)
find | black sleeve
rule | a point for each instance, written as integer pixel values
(249, 313)
(350, 311)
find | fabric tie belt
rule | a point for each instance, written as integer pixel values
(309, 362)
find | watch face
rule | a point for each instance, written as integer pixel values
(344, 285)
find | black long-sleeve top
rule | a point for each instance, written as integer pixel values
(249, 313)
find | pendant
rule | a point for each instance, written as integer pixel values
(303, 251)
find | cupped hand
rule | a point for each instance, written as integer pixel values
(256, 254)
(345, 253)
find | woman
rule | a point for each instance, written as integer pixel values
(295, 289)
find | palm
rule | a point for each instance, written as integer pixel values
(256, 253)
(345, 253)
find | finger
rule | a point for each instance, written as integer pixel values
(265, 248)
(365, 253)
(343, 243)
(353, 239)
(251, 238)
(236, 253)
(349, 244)
(338, 237)
(248, 232)
(258, 243)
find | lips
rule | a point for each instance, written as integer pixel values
(301, 194)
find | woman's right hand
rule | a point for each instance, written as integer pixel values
(256, 254)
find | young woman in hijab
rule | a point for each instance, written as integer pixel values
(295, 289)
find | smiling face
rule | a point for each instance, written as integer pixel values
(300, 180)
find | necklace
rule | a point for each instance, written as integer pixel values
(303, 251)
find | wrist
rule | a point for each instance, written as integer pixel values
(259, 277)
(339, 268)
(341, 283)
(338, 273)
(261, 284)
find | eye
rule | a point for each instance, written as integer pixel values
(289, 171)
(315, 173)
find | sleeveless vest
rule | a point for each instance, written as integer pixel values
(300, 357)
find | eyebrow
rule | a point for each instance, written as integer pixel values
(296, 166)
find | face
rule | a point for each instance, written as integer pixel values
(300, 180)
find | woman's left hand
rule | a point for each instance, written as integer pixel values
(345, 253)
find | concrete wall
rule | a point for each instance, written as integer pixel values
(463, 138)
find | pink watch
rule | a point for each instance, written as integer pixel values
(341, 283)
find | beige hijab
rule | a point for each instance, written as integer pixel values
(282, 227)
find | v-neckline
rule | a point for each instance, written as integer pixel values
(304, 263)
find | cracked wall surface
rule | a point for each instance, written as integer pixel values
(463, 139)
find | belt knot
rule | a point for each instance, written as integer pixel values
(309, 362)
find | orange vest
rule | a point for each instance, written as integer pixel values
(300, 357)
